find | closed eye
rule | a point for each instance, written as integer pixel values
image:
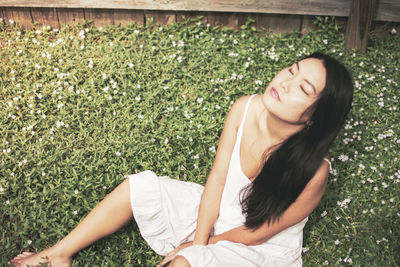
(302, 88)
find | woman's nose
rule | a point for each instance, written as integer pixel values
(285, 86)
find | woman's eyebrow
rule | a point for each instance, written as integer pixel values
(307, 81)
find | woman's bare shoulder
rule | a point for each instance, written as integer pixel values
(237, 110)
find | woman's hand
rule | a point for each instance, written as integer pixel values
(172, 254)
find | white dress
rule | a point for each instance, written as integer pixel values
(166, 213)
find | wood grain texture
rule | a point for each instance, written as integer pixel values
(229, 20)
(125, 17)
(359, 24)
(184, 15)
(100, 17)
(45, 16)
(70, 16)
(276, 23)
(307, 24)
(321, 7)
(387, 10)
(161, 17)
(20, 15)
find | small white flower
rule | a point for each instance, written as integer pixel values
(337, 242)
(75, 212)
(323, 214)
(130, 65)
(199, 100)
(166, 140)
(118, 153)
(326, 263)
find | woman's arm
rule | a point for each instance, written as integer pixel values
(297, 211)
(211, 198)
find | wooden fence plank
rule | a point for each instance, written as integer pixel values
(161, 17)
(229, 20)
(70, 16)
(382, 29)
(387, 10)
(20, 15)
(310, 7)
(125, 17)
(307, 24)
(45, 17)
(183, 15)
(100, 17)
(276, 23)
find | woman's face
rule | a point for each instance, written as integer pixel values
(294, 89)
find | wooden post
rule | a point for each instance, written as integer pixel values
(358, 25)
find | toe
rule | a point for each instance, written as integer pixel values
(27, 253)
(17, 259)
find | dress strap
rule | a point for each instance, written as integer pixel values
(245, 112)
(330, 164)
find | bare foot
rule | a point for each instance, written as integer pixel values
(47, 257)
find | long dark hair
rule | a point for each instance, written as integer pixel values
(289, 168)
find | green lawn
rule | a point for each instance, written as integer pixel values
(81, 107)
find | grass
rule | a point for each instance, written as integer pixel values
(81, 107)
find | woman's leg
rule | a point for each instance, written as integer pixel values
(179, 261)
(107, 217)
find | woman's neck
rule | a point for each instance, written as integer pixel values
(277, 129)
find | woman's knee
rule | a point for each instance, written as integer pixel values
(179, 261)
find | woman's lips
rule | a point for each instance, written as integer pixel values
(275, 94)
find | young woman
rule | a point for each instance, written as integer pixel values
(269, 174)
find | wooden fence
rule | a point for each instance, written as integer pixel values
(273, 15)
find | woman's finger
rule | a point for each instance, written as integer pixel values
(167, 259)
